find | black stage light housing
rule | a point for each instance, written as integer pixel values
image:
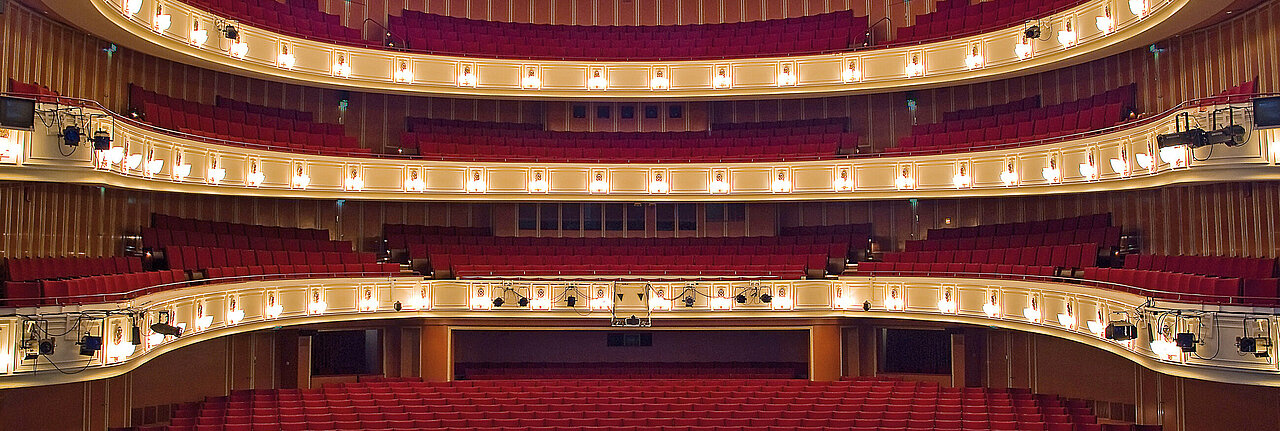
(1120, 331)
(571, 301)
(742, 299)
(1193, 138)
(101, 140)
(766, 298)
(688, 301)
(166, 329)
(1185, 341)
(90, 345)
(523, 302)
(497, 302)
(71, 136)
(1032, 32)
(866, 305)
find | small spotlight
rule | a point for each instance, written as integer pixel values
(166, 329)
(396, 306)
(1185, 341)
(866, 305)
(90, 345)
(135, 335)
(571, 301)
(229, 31)
(1120, 331)
(101, 140)
(742, 299)
(766, 298)
(1258, 346)
(46, 346)
(688, 301)
(1032, 32)
(71, 136)
(523, 302)
(497, 302)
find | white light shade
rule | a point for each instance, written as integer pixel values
(841, 299)
(133, 161)
(1067, 320)
(851, 74)
(721, 81)
(1009, 178)
(946, 306)
(1144, 160)
(132, 7)
(540, 304)
(718, 187)
(415, 185)
(721, 303)
(1096, 327)
(9, 148)
(973, 61)
(602, 303)
(216, 175)
(113, 156)
(418, 302)
(904, 182)
(1273, 148)
(914, 70)
(597, 83)
(300, 181)
(154, 166)
(404, 75)
(1022, 50)
(992, 310)
(238, 49)
(255, 178)
(342, 69)
(286, 61)
(467, 79)
(1051, 174)
(895, 303)
(162, 22)
(843, 184)
(476, 186)
(531, 82)
(658, 301)
(598, 186)
(1089, 171)
(117, 352)
(962, 181)
(1176, 156)
(1067, 37)
(154, 339)
(368, 304)
(234, 316)
(198, 37)
(1120, 166)
(354, 183)
(480, 300)
(1105, 23)
(782, 300)
(1165, 349)
(204, 322)
(1032, 314)
(181, 171)
(786, 78)
(656, 186)
(659, 83)
(317, 307)
(538, 186)
(273, 311)
(781, 186)
(1138, 7)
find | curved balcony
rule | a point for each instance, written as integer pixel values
(274, 56)
(1052, 306)
(1116, 158)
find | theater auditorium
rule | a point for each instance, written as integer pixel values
(639, 215)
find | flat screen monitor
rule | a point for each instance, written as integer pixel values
(1266, 112)
(17, 113)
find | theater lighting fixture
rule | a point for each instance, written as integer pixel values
(1067, 36)
(10, 148)
(300, 179)
(1138, 7)
(719, 184)
(238, 48)
(317, 305)
(600, 300)
(273, 308)
(113, 156)
(341, 68)
(1051, 173)
(598, 184)
(154, 166)
(781, 184)
(132, 7)
(1144, 161)
(851, 73)
(203, 320)
(420, 300)
(90, 345)
(354, 181)
(119, 347)
(1273, 148)
(403, 74)
(840, 299)
(413, 182)
(166, 330)
(915, 68)
(991, 308)
(721, 80)
(904, 180)
(367, 301)
(1164, 348)
(658, 300)
(285, 59)
(962, 178)
(1106, 23)
(1067, 319)
(255, 176)
(531, 80)
(1120, 330)
(161, 22)
(133, 161)
(1023, 49)
(1032, 312)
(895, 302)
(476, 182)
(597, 80)
(659, 184)
(721, 300)
(1256, 339)
(787, 76)
(947, 304)
(541, 300)
(1096, 327)
(538, 184)
(216, 173)
(974, 60)
(180, 169)
(1175, 156)
(783, 301)
(1120, 165)
(1009, 177)
(688, 301)
(468, 77)
(659, 81)
(198, 35)
(1089, 170)
(844, 179)
(234, 313)
(1185, 341)
(480, 300)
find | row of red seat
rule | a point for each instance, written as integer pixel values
(1026, 227)
(1237, 94)
(97, 288)
(1188, 287)
(959, 116)
(1103, 236)
(175, 223)
(834, 31)
(301, 18)
(197, 258)
(42, 93)
(958, 17)
(1086, 114)
(645, 370)
(37, 268)
(613, 245)
(239, 126)
(1058, 256)
(1217, 266)
(349, 269)
(154, 238)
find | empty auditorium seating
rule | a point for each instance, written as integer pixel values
(171, 231)
(996, 262)
(42, 93)
(301, 18)
(835, 31)
(638, 370)
(779, 140)
(63, 280)
(1020, 122)
(635, 404)
(1095, 229)
(960, 17)
(1238, 94)
(790, 256)
(1239, 280)
(239, 123)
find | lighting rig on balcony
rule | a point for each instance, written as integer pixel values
(1256, 339)
(1174, 147)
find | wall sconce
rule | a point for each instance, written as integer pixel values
(659, 183)
(403, 73)
(341, 68)
(599, 181)
(273, 309)
(781, 181)
(1098, 326)
(286, 59)
(181, 169)
(1032, 312)
(1088, 169)
(596, 79)
(1175, 156)
(119, 347)
(1106, 23)
(659, 299)
(894, 300)
(915, 68)
(154, 165)
(198, 35)
(530, 81)
(367, 301)
(659, 80)
(234, 313)
(843, 181)
(480, 299)
(841, 299)
(538, 181)
(300, 179)
(420, 300)
(132, 7)
(721, 77)
(1023, 49)
(1139, 7)
(1120, 165)
(161, 21)
(354, 181)
(904, 180)
(1051, 173)
(787, 75)
(720, 300)
(783, 299)
(1067, 36)
(992, 307)
(255, 176)
(317, 305)
(238, 48)
(947, 301)
(540, 300)
(962, 179)
(719, 181)
(974, 60)
(132, 161)
(852, 70)
(203, 320)
(413, 181)
(1067, 319)
(601, 299)
(216, 173)
(476, 181)
(468, 76)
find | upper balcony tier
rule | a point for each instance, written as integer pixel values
(818, 54)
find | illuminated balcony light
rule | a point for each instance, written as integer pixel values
(787, 77)
(1273, 148)
(181, 170)
(1120, 165)
(1009, 178)
(1089, 170)
(1051, 173)
(285, 59)
(467, 78)
(601, 301)
(1067, 319)
(781, 185)
(658, 300)
(1097, 327)
(161, 22)
(132, 7)
(531, 81)
(9, 146)
(341, 68)
(204, 322)
(915, 69)
(974, 60)
(480, 300)
(1175, 156)
(538, 184)
(598, 184)
(659, 185)
(597, 81)
(420, 301)
(154, 166)
(217, 174)
(476, 184)
(852, 74)
(255, 179)
(962, 178)
(133, 161)
(718, 184)
(120, 348)
(721, 301)
(1106, 23)
(782, 301)
(894, 302)
(1023, 49)
(1165, 349)
(1138, 7)
(947, 304)
(198, 35)
(317, 305)
(841, 300)
(273, 308)
(721, 79)
(991, 308)
(540, 300)
(368, 302)
(1067, 36)
(1032, 313)
(1144, 161)
(300, 180)
(354, 182)
(843, 183)
(414, 183)
(904, 180)
(234, 313)
(403, 74)
(238, 49)
(659, 81)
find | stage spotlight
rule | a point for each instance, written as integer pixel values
(571, 301)
(1232, 135)
(101, 140)
(1032, 32)
(397, 306)
(90, 345)
(497, 302)
(46, 346)
(742, 299)
(166, 329)
(1185, 341)
(523, 302)
(688, 301)
(229, 31)
(1120, 331)
(866, 305)
(1192, 138)
(71, 136)
(1258, 346)
(766, 298)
